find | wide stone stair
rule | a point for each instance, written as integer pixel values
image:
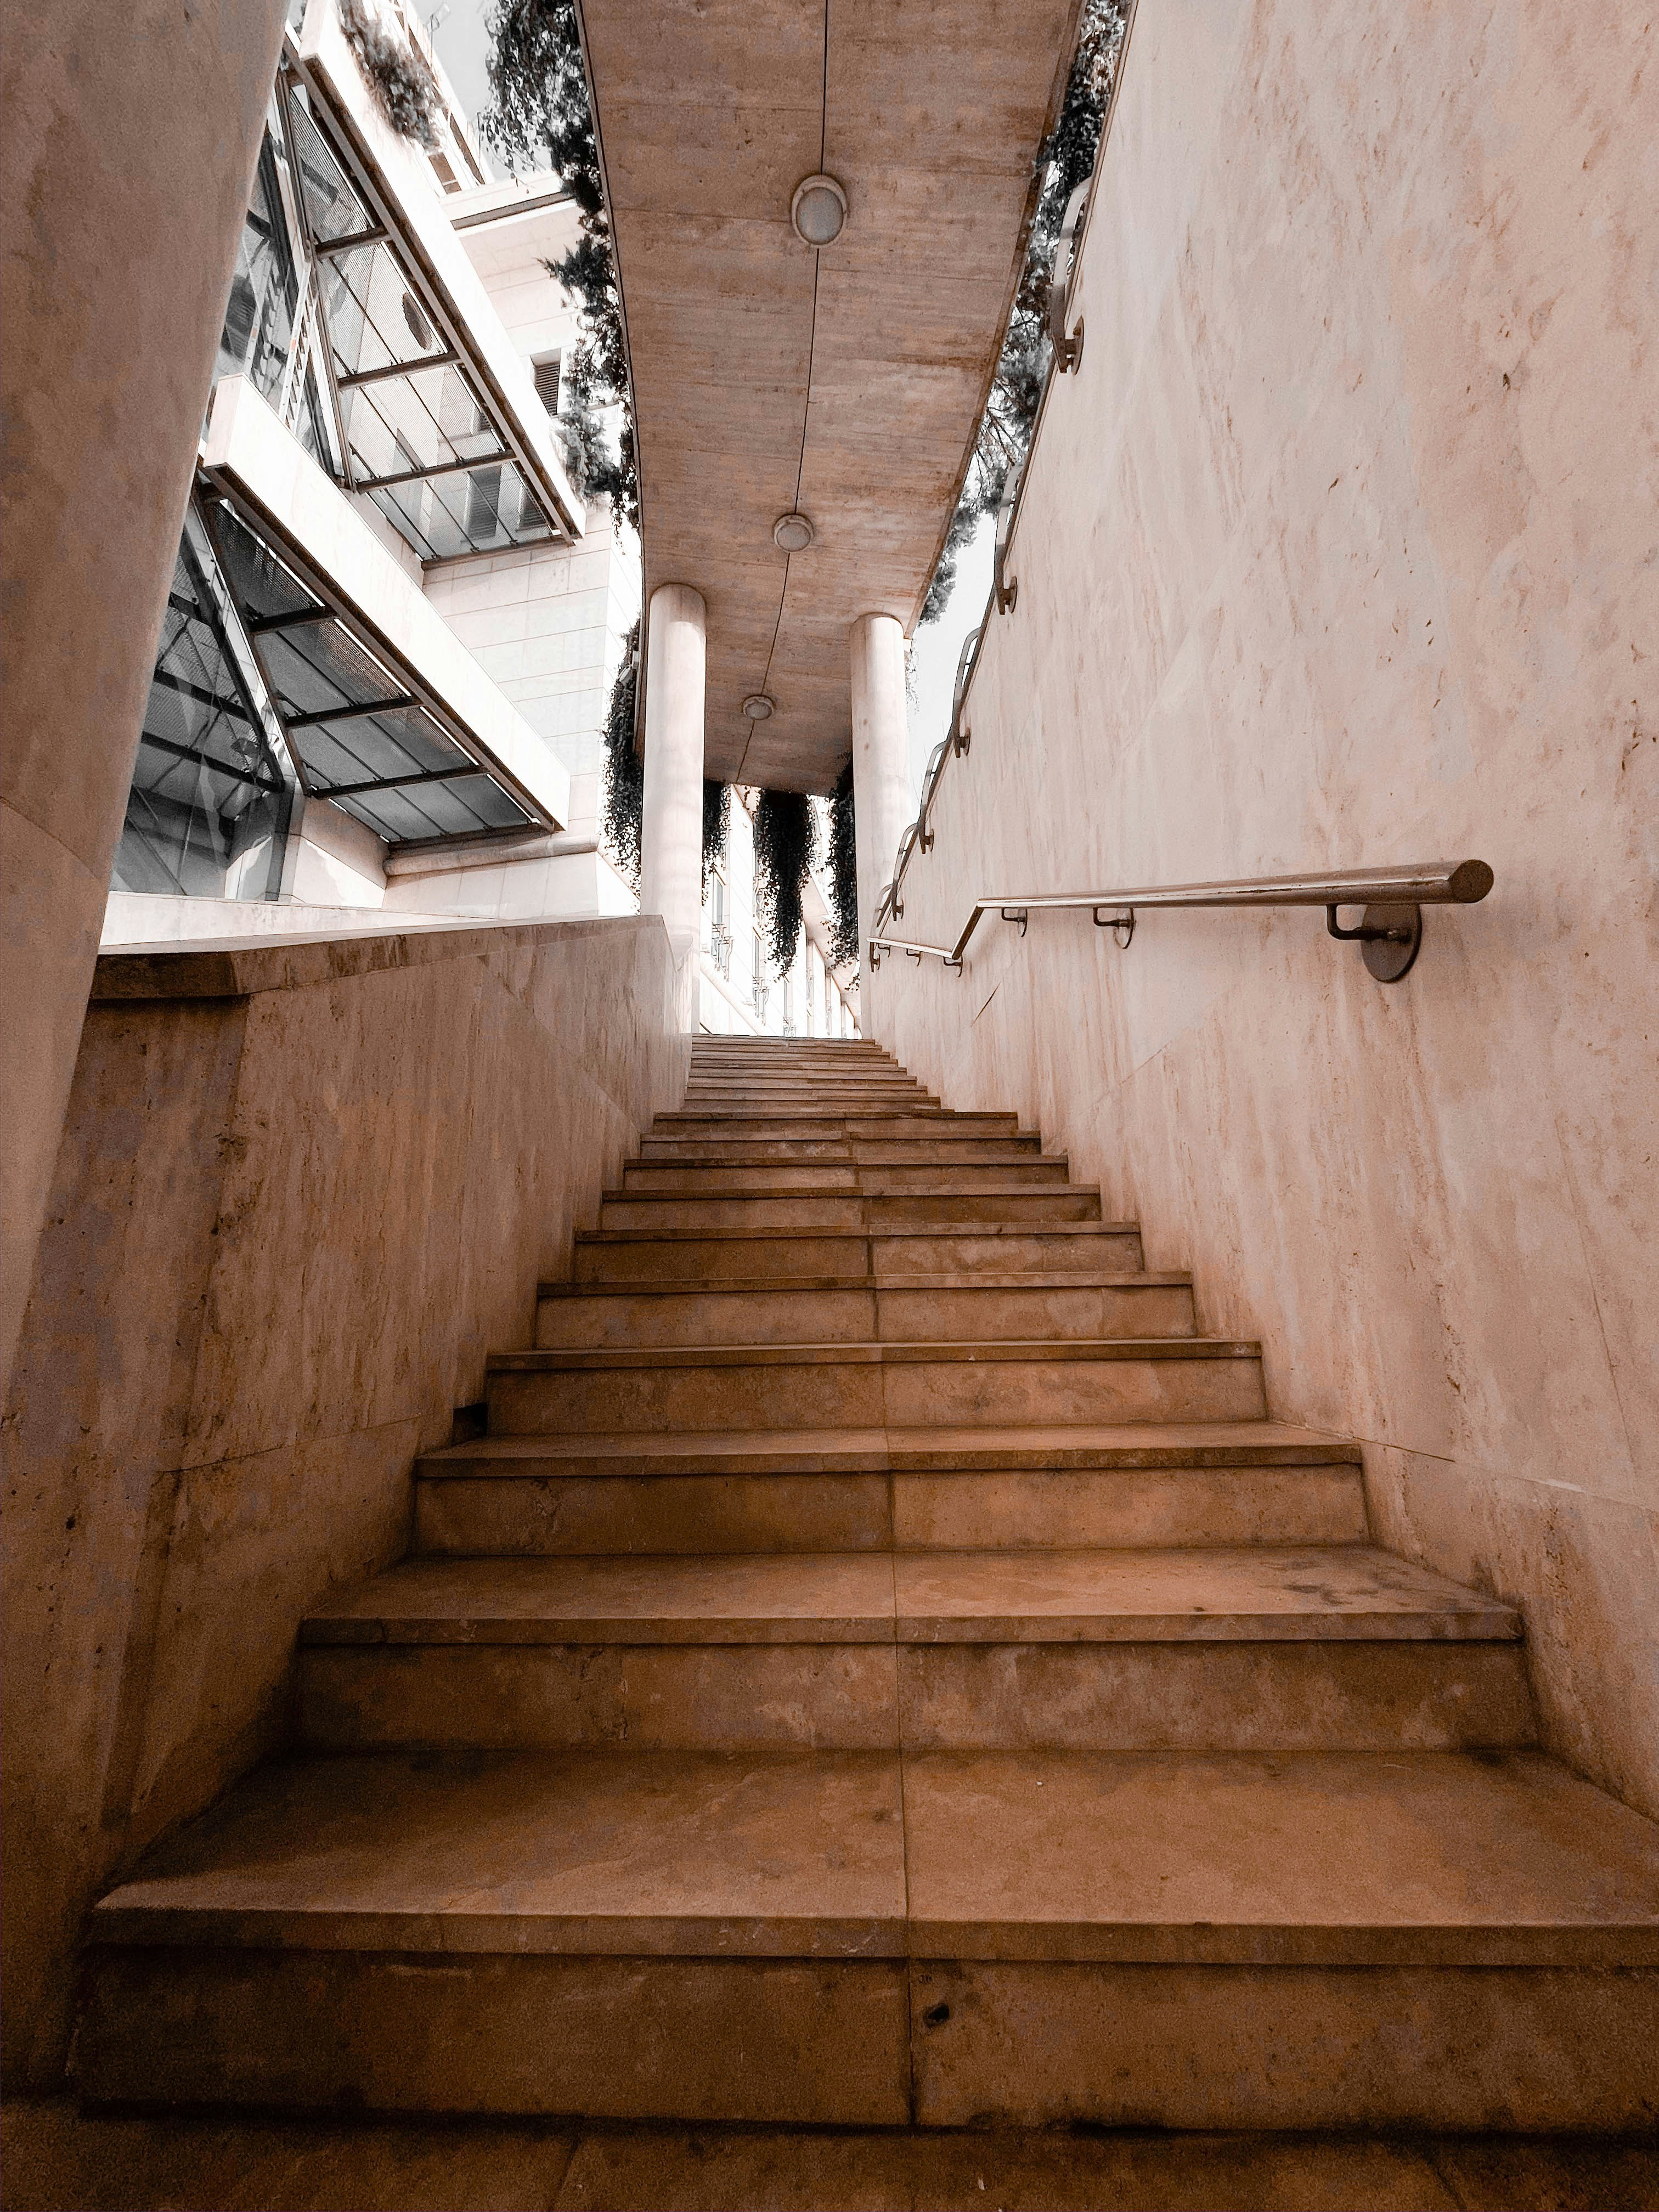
(881, 1664)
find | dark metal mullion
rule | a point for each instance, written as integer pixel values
(201, 760)
(439, 468)
(203, 697)
(325, 249)
(462, 768)
(361, 376)
(350, 713)
(258, 625)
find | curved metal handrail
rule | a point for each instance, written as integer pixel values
(1390, 931)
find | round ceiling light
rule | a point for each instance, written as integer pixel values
(818, 211)
(793, 532)
(758, 707)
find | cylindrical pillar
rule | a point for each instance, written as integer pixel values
(130, 138)
(671, 834)
(882, 798)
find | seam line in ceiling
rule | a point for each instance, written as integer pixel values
(806, 409)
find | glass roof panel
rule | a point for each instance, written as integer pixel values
(363, 750)
(318, 666)
(333, 209)
(262, 585)
(374, 315)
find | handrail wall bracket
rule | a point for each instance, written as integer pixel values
(1390, 938)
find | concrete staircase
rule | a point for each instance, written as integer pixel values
(883, 1664)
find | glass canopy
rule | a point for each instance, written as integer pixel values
(360, 735)
(208, 808)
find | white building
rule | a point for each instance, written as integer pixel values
(383, 678)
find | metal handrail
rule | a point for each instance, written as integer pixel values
(1390, 931)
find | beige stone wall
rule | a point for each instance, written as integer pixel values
(1340, 550)
(299, 1199)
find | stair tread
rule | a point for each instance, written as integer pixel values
(958, 1278)
(1317, 1857)
(1211, 1594)
(957, 1351)
(975, 1229)
(1135, 1445)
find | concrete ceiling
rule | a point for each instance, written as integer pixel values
(845, 383)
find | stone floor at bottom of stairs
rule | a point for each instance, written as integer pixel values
(56, 2158)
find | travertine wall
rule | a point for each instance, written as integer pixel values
(303, 1191)
(129, 143)
(1340, 549)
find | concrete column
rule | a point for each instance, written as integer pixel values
(670, 837)
(882, 798)
(125, 164)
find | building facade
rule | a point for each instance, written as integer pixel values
(395, 622)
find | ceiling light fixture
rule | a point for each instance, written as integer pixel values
(793, 532)
(758, 707)
(818, 211)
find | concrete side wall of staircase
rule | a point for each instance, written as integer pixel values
(1336, 551)
(303, 1192)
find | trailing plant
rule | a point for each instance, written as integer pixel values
(843, 872)
(1064, 161)
(786, 840)
(625, 771)
(716, 822)
(539, 112)
(397, 74)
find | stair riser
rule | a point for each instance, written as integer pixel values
(704, 1178)
(967, 1151)
(572, 1515)
(702, 1215)
(776, 2040)
(703, 1260)
(862, 1316)
(873, 2041)
(910, 1393)
(880, 1126)
(1308, 1696)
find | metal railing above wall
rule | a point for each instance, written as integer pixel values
(1389, 933)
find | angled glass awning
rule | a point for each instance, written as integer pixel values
(361, 736)
(420, 431)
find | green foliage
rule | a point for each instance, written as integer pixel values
(397, 74)
(843, 872)
(1064, 161)
(716, 823)
(538, 111)
(786, 839)
(625, 771)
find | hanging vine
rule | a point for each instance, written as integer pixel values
(786, 840)
(1064, 159)
(397, 73)
(538, 111)
(843, 872)
(716, 823)
(625, 771)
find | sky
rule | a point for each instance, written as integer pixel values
(462, 41)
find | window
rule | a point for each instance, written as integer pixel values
(208, 811)
(264, 291)
(789, 1003)
(546, 367)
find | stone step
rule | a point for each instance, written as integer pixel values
(900, 1386)
(822, 1206)
(874, 1490)
(887, 1151)
(828, 1309)
(1339, 1648)
(877, 1178)
(1150, 1938)
(878, 1124)
(893, 1249)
